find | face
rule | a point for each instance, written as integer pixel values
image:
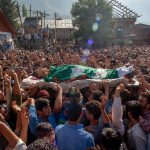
(52, 137)
(143, 101)
(46, 111)
(3, 111)
(88, 115)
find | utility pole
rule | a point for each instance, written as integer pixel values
(55, 16)
(30, 11)
(44, 15)
(19, 13)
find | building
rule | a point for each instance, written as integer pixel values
(5, 25)
(32, 24)
(62, 29)
(142, 32)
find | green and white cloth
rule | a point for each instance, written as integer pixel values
(67, 72)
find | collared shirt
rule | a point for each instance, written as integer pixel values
(35, 120)
(137, 138)
(145, 122)
(73, 137)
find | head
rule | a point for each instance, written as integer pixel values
(144, 100)
(96, 95)
(44, 130)
(43, 94)
(93, 111)
(125, 96)
(73, 111)
(41, 144)
(133, 110)
(43, 107)
(74, 94)
(111, 139)
(3, 110)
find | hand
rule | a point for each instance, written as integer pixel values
(7, 79)
(15, 107)
(56, 87)
(31, 101)
(12, 73)
(106, 83)
(142, 79)
(119, 89)
(24, 117)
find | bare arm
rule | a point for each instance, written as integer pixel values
(105, 117)
(58, 101)
(1, 78)
(8, 91)
(17, 90)
(25, 123)
(9, 135)
(117, 111)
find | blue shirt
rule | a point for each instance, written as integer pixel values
(73, 137)
(35, 120)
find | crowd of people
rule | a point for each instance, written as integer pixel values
(45, 117)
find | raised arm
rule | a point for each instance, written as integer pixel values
(8, 90)
(17, 90)
(9, 135)
(1, 78)
(117, 111)
(58, 101)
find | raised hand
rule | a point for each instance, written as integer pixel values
(15, 107)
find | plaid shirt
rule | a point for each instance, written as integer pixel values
(145, 121)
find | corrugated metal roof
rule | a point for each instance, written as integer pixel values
(65, 23)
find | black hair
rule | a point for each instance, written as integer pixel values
(73, 111)
(146, 95)
(41, 144)
(43, 129)
(111, 139)
(97, 95)
(40, 103)
(134, 108)
(94, 109)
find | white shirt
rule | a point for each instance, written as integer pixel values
(117, 113)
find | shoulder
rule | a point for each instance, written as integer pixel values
(58, 128)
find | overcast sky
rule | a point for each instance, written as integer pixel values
(142, 7)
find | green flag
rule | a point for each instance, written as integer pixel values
(67, 72)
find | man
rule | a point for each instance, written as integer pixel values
(93, 113)
(39, 111)
(144, 101)
(137, 138)
(72, 136)
(44, 130)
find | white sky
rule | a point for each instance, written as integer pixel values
(142, 7)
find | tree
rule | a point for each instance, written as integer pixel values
(24, 11)
(92, 18)
(10, 10)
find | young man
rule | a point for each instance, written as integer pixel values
(44, 130)
(137, 138)
(144, 101)
(72, 135)
(39, 111)
(111, 139)
(41, 144)
(93, 113)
